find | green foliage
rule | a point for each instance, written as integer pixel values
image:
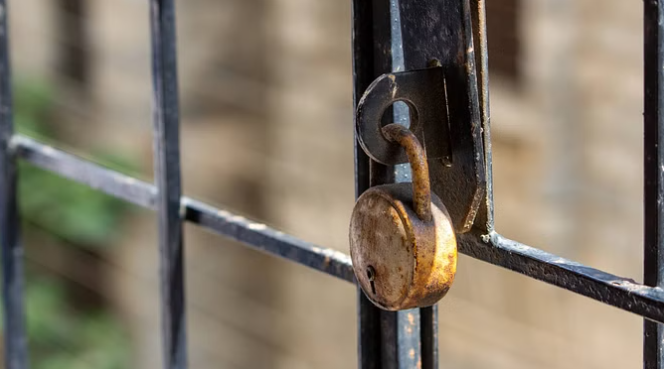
(32, 105)
(62, 337)
(72, 211)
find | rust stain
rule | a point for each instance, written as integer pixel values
(418, 162)
(405, 234)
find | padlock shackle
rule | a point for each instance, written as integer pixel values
(418, 163)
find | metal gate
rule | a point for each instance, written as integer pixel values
(388, 36)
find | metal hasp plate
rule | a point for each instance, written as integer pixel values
(443, 102)
(424, 93)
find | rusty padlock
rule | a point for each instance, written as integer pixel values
(402, 240)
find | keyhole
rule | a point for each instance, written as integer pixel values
(371, 274)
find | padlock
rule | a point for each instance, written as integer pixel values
(402, 240)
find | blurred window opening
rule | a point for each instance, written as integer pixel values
(72, 54)
(504, 39)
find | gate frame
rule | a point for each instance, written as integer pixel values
(386, 339)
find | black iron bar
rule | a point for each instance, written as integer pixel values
(80, 170)
(484, 219)
(264, 238)
(15, 343)
(368, 315)
(616, 291)
(400, 337)
(386, 339)
(620, 292)
(429, 336)
(653, 191)
(444, 39)
(402, 330)
(135, 191)
(167, 178)
(366, 32)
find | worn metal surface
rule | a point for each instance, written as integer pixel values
(424, 93)
(385, 339)
(402, 240)
(401, 261)
(429, 336)
(369, 340)
(14, 337)
(441, 30)
(407, 36)
(264, 238)
(484, 220)
(417, 158)
(623, 293)
(167, 176)
(653, 191)
(620, 292)
(80, 170)
(137, 192)
(459, 175)
(400, 348)
(388, 36)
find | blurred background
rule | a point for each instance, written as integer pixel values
(267, 132)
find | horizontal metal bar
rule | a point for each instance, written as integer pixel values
(80, 170)
(616, 291)
(268, 239)
(256, 235)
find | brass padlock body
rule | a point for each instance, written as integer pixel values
(401, 261)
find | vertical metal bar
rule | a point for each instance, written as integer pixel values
(16, 349)
(403, 331)
(368, 325)
(386, 339)
(167, 176)
(369, 340)
(478, 10)
(447, 36)
(362, 35)
(400, 336)
(429, 334)
(653, 357)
